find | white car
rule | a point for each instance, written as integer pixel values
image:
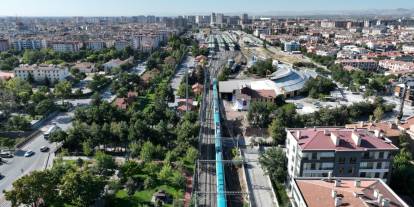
(28, 153)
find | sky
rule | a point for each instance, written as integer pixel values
(182, 7)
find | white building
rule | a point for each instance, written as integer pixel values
(292, 46)
(408, 48)
(40, 72)
(29, 44)
(397, 67)
(95, 45)
(319, 152)
(66, 46)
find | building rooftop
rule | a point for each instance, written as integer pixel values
(339, 139)
(355, 192)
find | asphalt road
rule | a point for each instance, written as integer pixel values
(258, 182)
(19, 165)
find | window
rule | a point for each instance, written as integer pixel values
(385, 176)
(351, 170)
(341, 171)
(379, 165)
(362, 174)
(381, 155)
(352, 160)
(313, 166)
(377, 175)
(314, 155)
(341, 160)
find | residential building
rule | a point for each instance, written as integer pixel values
(291, 46)
(121, 44)
(66, 46)
(95, 45)
(335, 191)
(408, 89)
(40, 73)
(85, 67)
(387, 129)
(408, 48)
(341, 152)
(4, 45)
(363, 64)
(397, 67)
(29, 44)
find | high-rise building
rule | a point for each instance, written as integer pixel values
(4, 45)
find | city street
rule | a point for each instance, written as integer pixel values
(19, 165)
(187, 63)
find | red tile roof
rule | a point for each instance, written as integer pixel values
(317, 192)
(320, 139)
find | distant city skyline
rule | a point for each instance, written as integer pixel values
(183, 7)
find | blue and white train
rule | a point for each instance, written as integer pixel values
(221, 195)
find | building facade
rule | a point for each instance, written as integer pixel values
(40, 73)
(318, 152)
(29, 44)
(66, 46)
(4, 45)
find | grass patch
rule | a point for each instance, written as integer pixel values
(143, 197)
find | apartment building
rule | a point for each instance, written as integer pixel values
(121, 44)
(318, 152)
(28, 44)
(4, 45)
(95, 45)
(359, 63)
(316, 192)
(40, 72)
(291, 46)
(66, 46)
(397, 67)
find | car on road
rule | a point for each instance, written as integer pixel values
(317, 105)
(29, 153)
(6, 155)
(299, 106)
(44, 149)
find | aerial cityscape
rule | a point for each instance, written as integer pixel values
(267, 103)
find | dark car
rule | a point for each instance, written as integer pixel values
(6, 155)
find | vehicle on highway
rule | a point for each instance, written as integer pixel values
(29, 153)
(44, 149)
(6, 155)
(317, 105)
(51, 130)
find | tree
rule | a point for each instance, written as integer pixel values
(165, 173)
(277, 131)
(191, 155)
(147, 151)
(32, 189)
(96, 99)
(44, 107)
(259, 113)
(130, 186)
(63, 89)
(274, 163)
(378, 113)
(105, 164)
(81, 188)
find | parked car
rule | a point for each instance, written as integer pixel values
(299, 106)
(44, 149)
(29, 153)
(6, 155)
